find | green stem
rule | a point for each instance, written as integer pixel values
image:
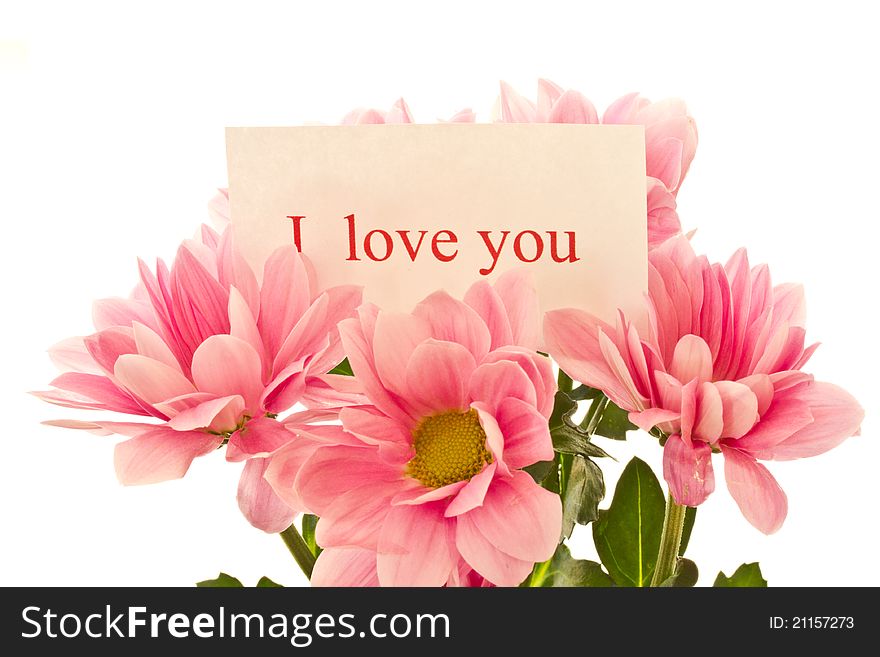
(564, 382)
(670, 541)
(299, 549)
(594, 414)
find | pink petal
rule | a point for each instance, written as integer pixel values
(358, 347)
(836, 416)
(108, 345)
(738, 272)
(572, 338)
(71, 355)
(789, 304)
(160, 454)
(526, 434)
(151, 380)
(332, 471)
(284, 466)
(473, 493)
(226, 365)
(373, 426)
(520, 518)
(284, 296)
(104, 428)
(453, 321)
(515, 108)
(537, 367)
(688, 409)
(494, 437)
(286, 389)
(171, 407)
(709, 420)
(688, 470)
(573, 107)
(218, 208)
(519, 294)
(647, 420)
(78, 390)
(668, 390)
(548, 93)
(199, 301)
(159, 296)
(399, 113)
(260, 437)
(613, 358)
(623, 109)
(348, 567)
(209, 237)
(740, 408)
(663, 221)
(312, 415)
(259, 503)
(355, 518)
(663, 161)
(692, 360)
(397, 336)
(496, 566)
(463, 116)
(786, 415)
(789, 379)
(340, 389)
(151, 345)
(313, 330)
(413, 547)
(327, 356)
(109, 313)
(483, 298)
(762, 387)
(493, 382)
(756, 492)
(416, 493)
(437, 375)
(220, 414)
(243, 325)
(235, 273)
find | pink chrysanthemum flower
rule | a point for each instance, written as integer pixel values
(214, 357)
(670, 139)
(425, 485)
(718, 370)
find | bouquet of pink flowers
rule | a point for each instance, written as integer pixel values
(440, 446)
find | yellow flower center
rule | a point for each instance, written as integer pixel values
(449, 447)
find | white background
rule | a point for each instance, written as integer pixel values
(111, 142)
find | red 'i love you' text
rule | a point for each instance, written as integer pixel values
(379, 245)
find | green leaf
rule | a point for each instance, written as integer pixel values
(614, 422)
(584, 392)
(309, 524)
(563, 408)
(344, 368)
(627, 535)
(582, 490)
(266, 583)
(571, 440)
(222, 581)
(747, 575)
(562, 570)
(551, 479)
(685, 575)
(690, 516)
(541, 470)
(566, 435)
